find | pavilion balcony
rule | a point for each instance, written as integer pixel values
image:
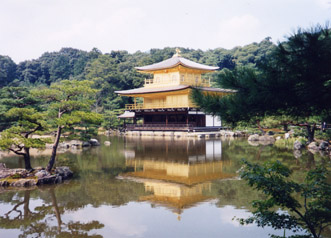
(139, 106)
(169, 82)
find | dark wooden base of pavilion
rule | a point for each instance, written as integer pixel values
(180, 119)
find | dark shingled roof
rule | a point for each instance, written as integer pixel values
(174, 61)
(169, 89)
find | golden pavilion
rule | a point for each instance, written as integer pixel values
(164, 100)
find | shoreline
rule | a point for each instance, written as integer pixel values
(39, 176)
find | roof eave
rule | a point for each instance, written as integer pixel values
(142, 70)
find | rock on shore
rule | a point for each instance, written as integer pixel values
(24, 178)
(256, 140)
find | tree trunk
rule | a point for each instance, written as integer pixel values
(285, 127)
(56, 209)
(54, 149)
(26, 204)
(260, 127)
(310, 132)
(27, 159)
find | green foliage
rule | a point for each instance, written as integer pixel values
(69, 103)
(115, 70)
(310, 212)
(67, 96)
(291, 81)
(52, 67)
(111, 72)
(245, 105)
(110, 120)
(18, 138)
(69, 108)
(7, 70)
(88, 124)
(285, 143)
(276, 121)
(14, 97)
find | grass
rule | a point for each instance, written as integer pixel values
(285, 143)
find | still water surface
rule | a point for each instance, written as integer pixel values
(144, 188)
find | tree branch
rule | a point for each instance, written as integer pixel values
(34, 130)
(17, 152)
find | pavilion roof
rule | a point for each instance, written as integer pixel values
(144, 90)
(221, 90)
(127, 114)
(175, 61)
(152, 90)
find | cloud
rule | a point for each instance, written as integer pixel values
(28, 29)
(239, 30)
(117, 220)
(227, 214)
(324, 3)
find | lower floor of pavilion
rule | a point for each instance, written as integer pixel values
(173, 120)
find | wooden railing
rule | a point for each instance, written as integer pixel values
(162, 82)
(158, 106)
(134, 106)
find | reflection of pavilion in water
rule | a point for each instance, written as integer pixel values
(178, 173)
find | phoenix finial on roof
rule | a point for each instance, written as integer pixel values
(177, 53)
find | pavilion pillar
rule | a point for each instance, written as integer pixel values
(166, 119)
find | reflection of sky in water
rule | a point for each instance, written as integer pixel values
(140, 220)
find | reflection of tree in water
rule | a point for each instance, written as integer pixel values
(20, 214)
(237, 192)
(39, 223)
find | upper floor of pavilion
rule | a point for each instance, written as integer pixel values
(176, 71)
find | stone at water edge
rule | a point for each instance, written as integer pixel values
(267, 138)
(324, 145)
(76, 143)
(24, 183)
(64, 145)
(94, 142)
(297, 153)
(42, 173)
(86, 144)
(254, 137)
(287, 136)
(29, 179)
(253, 143)
(64, 172)
(313, 147)
(107, 143)
(298, 145)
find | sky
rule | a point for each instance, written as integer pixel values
(29, 28)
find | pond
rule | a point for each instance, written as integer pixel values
(148, 187)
